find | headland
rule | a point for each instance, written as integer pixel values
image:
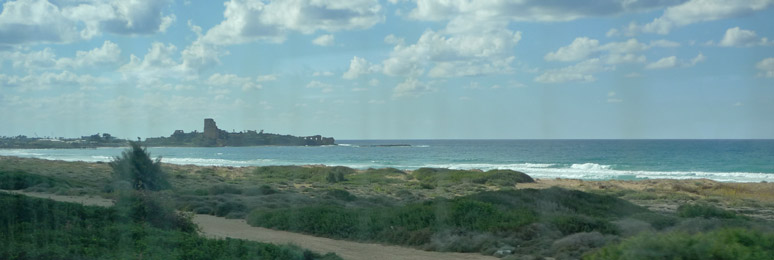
(212, 136)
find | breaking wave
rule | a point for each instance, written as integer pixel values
(592, 171)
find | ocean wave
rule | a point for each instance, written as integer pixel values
(19, 153)
(487, 166)
(589, 166)
(592, 171)
(215, 162)
(579, 170)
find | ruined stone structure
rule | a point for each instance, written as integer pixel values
(210, 129)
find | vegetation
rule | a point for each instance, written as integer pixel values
(91, 141)
(436, 176)
(731, 244)
(305, 173)
(704, 211)
(492, 213)
(19, 180)
(136, 168)
(34, 228)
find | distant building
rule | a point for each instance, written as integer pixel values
(210, 129)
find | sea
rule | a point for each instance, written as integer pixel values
(720, 160)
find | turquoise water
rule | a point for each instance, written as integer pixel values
(722, 160)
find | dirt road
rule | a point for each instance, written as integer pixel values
(218, 227)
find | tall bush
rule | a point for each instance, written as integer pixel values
(136, 167)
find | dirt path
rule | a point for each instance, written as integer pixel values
(218, 227)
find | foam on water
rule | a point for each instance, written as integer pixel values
(217, 162)
(589, 166)
(602, 172)
(721, 160)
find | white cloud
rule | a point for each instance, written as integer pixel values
(611, 53)
(324, 87)
(453, 54)
(157, 64)
(766, 66)
(46, 80)
(394, 40)
(664, 44)
(736, 37)
(628, 46)
(200, 55)
(612, 98)
(252, 20)
(265, 78)
(411, 87)
(322, 74)
(617, 58)
(543, 11)
(612, 32)
(121, 17)
(359, 66)
(324, 40)
(581, 72)
(232, 80)
(36, 21)
(579, 49)
(32, 60)
(695, 11)
(108, 54)
(663, 63)
(26, 21)
(671, 62)
(696, 60)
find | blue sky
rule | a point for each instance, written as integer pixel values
(367, 69)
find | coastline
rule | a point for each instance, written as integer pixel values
(652, 193)
(252, 195)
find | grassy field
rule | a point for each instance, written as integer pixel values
(502, 213)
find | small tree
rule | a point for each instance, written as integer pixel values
(143, 174)
(136, 167)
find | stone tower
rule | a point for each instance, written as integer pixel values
(210, 129)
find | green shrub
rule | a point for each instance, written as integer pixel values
(18, 180)
(491, 177)
(503, 178)
(340, 194)
(501, 214)
(203, 210)
(260, 190)
(704, 211)
(223, 189)
(228, 207)
(384, 171)
(741, 244)
(656, 220)
(305, 173)
(141, 207)
(136, 167)
(44, 229)
(575, 224)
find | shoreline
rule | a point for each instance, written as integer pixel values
(537, 172)
(246, 193)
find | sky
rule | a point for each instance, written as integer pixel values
(397, 69)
